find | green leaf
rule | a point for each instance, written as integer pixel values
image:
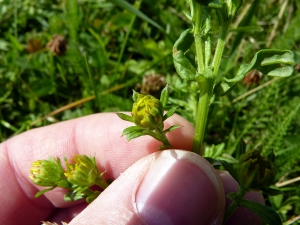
(126, 117)
(133, 135)
(72, 196)
(135, 95)
(64, 184)
(164, 96)
(230, 169)
(170, 113)
(8, 125)
(43, 191)
(213, 162)
(183, 66)
(131, 129)
(92, 196)
(271, 191)
(269, 215)
(241, 148)
(174, 127)
(270, 62)
(184, 42)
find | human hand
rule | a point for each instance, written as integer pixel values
(167, 187)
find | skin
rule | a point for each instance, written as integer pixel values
(97, 135)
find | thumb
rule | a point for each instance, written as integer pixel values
(168, 187)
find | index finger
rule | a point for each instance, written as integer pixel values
(97, 135)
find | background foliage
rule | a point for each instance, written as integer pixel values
(111, 51)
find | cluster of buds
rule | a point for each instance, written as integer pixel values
(78, 177)
(148, 116)
(256, 171)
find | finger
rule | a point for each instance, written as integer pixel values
(97, 135)
(241, 215)
(169, 187)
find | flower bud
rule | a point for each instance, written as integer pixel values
(255, 171)
(83, 172)
(47, 173)
(147, 111)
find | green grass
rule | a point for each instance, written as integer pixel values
(109, 52)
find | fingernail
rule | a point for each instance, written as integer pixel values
(180, 189)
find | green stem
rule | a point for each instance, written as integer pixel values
(163, 139)
(102, 183)
(197, 36)
(207, 33)
(206, 84)
(234, 204)
(220, 47)
(206, 92)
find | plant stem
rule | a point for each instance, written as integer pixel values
(197, 36)
(207, 33)
(206, 84)
(206, 91)
(163, 138)
(220, 47)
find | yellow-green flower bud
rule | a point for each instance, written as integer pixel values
(147, 112)
(83, 172)
(47, 173)
(255, 171)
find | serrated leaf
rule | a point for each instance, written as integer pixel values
(174, 127)
(126, 117)
(230, 169)
(269, 215)
(271, 191)
(169, 113)
(278, 63)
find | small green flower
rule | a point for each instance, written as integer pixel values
(47, 173)
(84, 172)
(148, 116)
(148, 111)
(255, 171)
